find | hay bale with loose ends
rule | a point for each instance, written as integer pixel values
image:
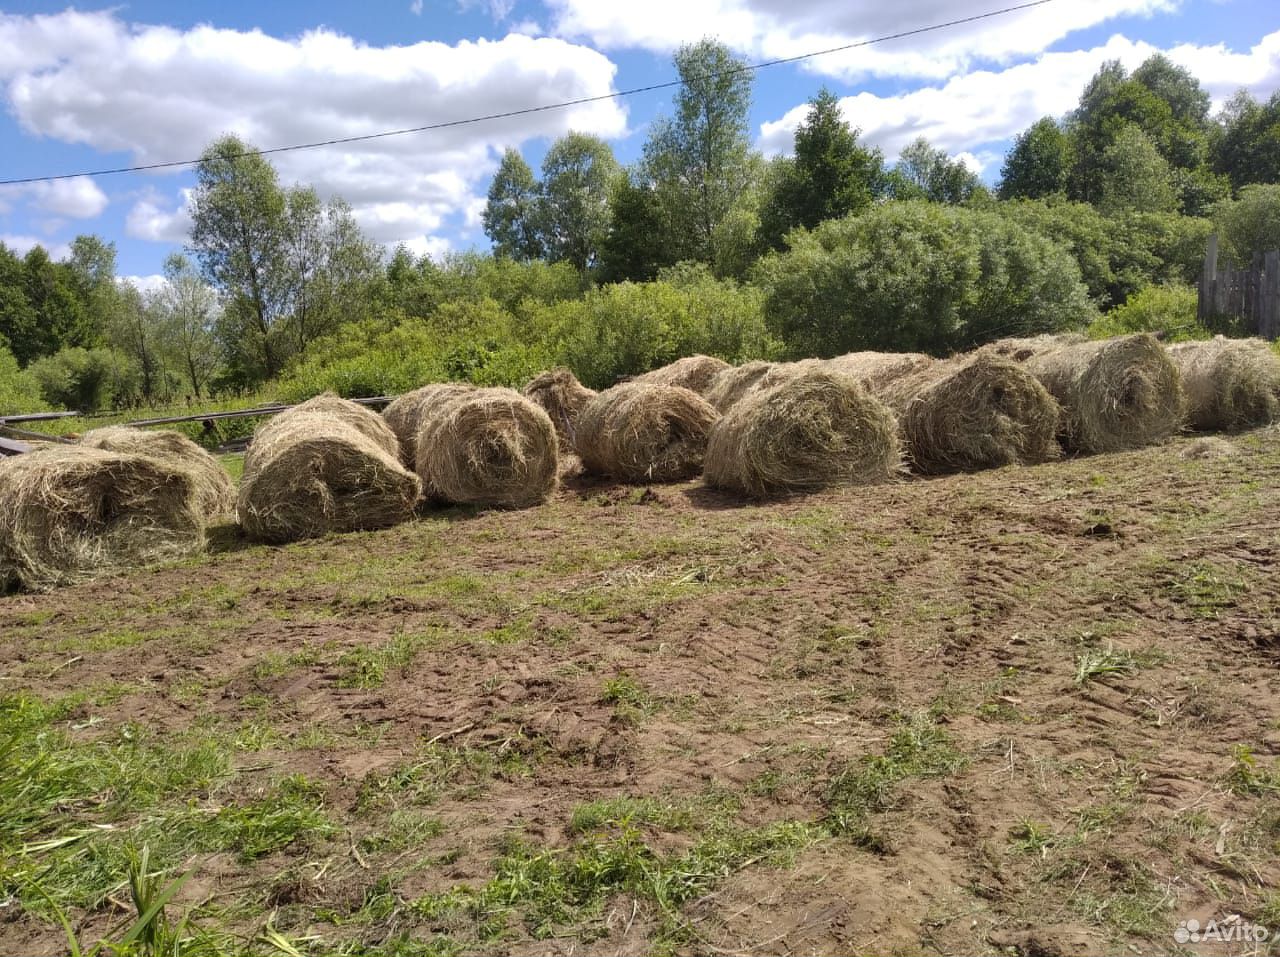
(1020, 349)
(309, 472)
(640, 432)
(973, 412)
(559, 393)
(406, 414)
(815, 430)
(875, 369)
(731, 385)
(69, 514)
(489, 447)
(695, 373)
(214, 488)
(1230, 384)
(1114, 394)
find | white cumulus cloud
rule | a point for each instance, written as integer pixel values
(22, 245)
(76, 198)
(161, 94)
(768, 29)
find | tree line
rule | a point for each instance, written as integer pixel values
(702, 244)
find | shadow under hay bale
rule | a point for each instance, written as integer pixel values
(1115, 394)
(815, 430)
(406, 413)
(559, 393)
(972, 413)
(695, 373)
(640, 432)
(215, 491)
(1230, 384)
(731, 385)
(488, 447)
(69, 514)
(320, 468)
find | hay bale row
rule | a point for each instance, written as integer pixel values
(815, 429)
(1115, 394)
(1230, 384)
(326, 465)
(559, 393)
(488, 447)
(215, 492)
(731, 385)
(643, 432)
(695, 373)
(69, 514)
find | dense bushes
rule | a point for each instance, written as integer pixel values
(19, 392)
(914, 276)
(86, 380)
(1168, 309)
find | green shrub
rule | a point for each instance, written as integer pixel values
(628, 328)
(1170, 309)
(916, 276)
(86, 380)
(19, 392)
(363, 360)
(1250, 224)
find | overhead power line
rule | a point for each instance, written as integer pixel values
(528, 110)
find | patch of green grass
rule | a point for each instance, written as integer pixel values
(1126, 898)
(1031, 837)
(647, 812)
(918, 748)
(1099, 664)
(513, 632)
(1207, 589)
(367, 667)
(1248, 775)
(631, 701)
(439, 769)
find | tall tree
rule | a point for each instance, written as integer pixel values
(1134, 177)
(831, 174)
(923, 172)
(636, 245)
(578, 174)
(188, 306)
(511, 213)
(237, 236)
(698, 159)
(1039, 163)
(137, 332)
(1246, 141)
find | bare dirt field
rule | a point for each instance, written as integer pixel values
(1030, 711)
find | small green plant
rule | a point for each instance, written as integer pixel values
(1206, 589)
(1097, 664)
(1031, 837)
(1248, 775)
(631, 701)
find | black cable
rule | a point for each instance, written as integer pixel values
(746, 68)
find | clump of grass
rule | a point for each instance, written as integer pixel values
(1031, 837)
(919, 748)
(1206, 589)
(1248, 775)
(631, 700)
(1098, 664)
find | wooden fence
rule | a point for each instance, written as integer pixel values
(1251, 294)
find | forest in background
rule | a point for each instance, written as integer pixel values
(1098, 223)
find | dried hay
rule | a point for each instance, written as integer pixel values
(323, 467)
(973, 412)
(69, 514)
(695, 373)
(1230, 384)
(1208, 447)
(561, 396)
(732, 384)
(1022, 349)
(816, 429)
(876, 369)
(407, 412)
(488, 447)
(1115, 394)
(214, 488)
(641, 432)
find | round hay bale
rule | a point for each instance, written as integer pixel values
(1115, 394)
(641, 432)
(488, 447)
(1230, 384)
(407, 412)
(69, 514)
(694, 373)
(732, 384)
(309, 472)
(370, 424)
(971, 413)
(214, 488)
(816, 429)
(559, 393)
(875, 369)
(1022, 349)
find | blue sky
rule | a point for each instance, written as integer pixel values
(142, 82)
